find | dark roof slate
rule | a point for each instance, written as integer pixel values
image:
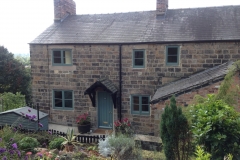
(178, 25)
(105, 83)
(187, 84)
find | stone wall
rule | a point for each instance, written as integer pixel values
(91, 62)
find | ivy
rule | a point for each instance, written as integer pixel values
(227, 92)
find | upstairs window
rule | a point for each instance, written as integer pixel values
(61, 57)
(140, 105)
(138, 58)
(172, 55)
(63, 99)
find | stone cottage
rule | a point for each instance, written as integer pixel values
(113, 65)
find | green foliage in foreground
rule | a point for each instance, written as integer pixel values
(175, 133)
(12, 101)
(56, 143)
(216, 126)
(201, 154)
(28, 144)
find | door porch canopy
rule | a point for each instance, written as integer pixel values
(104, 84)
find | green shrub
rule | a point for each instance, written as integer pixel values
(216, 126)
(28, 144)
(174, 132)
(201, 155)
(12, 101)
(8, 133)
(119, 147)
(56, 143)
(43, 137)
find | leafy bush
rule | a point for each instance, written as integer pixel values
(216, 126)
(44, 137)
(56, 143)
(28, 144)
(10, 133)
(201, 155)
(119, 147)
(174, 132)
(12, 101)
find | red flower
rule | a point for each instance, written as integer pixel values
(83, 119)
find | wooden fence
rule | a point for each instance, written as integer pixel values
(80, 138)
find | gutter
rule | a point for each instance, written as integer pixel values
(134, 43)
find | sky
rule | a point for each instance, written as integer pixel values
(23, 20)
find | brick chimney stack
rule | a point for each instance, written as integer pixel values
(162, 6)
(63, 8)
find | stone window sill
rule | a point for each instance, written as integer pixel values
(63, 68)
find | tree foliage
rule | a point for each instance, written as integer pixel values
(25, 60)
(12, 101)
(175, 133)
(216, 126)
(13, 75)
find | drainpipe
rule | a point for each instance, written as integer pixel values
(49, 91)
(120, 83)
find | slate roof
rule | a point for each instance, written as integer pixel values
(104, 83)
(24, 110)
(194, 81)
(178, 25)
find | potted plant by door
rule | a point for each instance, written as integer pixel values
(70, 141)
(84, 123)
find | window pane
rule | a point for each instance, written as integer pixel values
(57, 54)
(68, 103)
(173, 51)
(145, 100)
(58, 103)
(67, 57)
(145, 108)
(68, 94)
(135, 100)
(58, 94)
(136, 107)
(138, 62)
(57, 60)
(172, 59)
(139, 54)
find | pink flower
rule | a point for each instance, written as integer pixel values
(29, 153)
(83, 119)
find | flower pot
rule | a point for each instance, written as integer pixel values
(84, 128)
(69, 148)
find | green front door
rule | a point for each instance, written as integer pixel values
(105, 110)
